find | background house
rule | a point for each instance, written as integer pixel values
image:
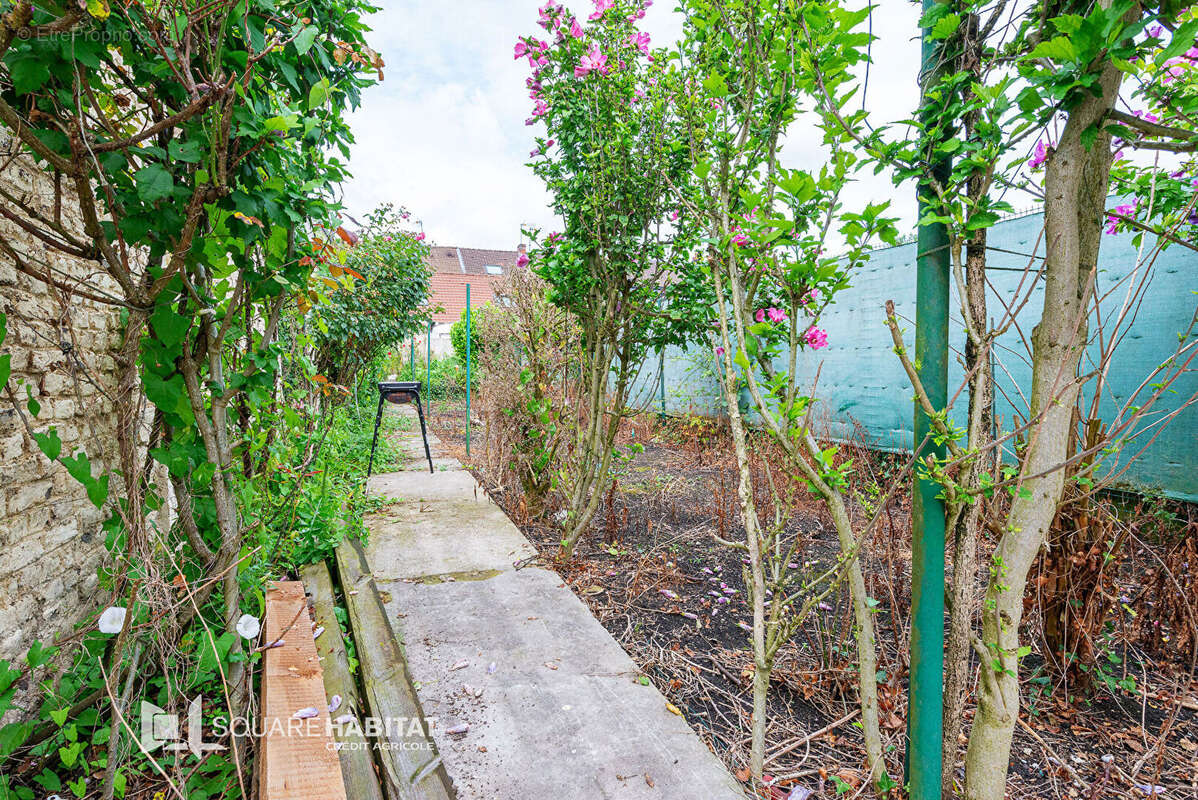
(453, 268)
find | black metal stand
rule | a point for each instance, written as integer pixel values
(399, 392)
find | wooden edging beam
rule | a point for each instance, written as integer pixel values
(412, 768)
(355, 750)
(297, 759)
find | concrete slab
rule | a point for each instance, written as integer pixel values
(443, 540)
(562, 713)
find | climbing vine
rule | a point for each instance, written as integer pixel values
(200, 146)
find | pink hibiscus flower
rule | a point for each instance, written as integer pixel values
(601, 8)
(593, 61)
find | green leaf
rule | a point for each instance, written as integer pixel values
(39, 655)
(169, 326)
(28, 73)
(318, 93)
(1058, 48)
(715, 85)
(188, 151)
(154, 182)
(981, 219)
(1183, 39)
(946, 26)
(12, 736)
(305, 38)
(49, 443)
(70, 753)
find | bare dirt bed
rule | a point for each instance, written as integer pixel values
(653, 573)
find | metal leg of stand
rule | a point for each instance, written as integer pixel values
(378, 417)
(424, 433)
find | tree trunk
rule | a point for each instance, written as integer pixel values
(958, 653)
(863, 622)
(1075, 189)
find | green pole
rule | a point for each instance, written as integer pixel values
(925, 704)
(467, 369)
(661, 371)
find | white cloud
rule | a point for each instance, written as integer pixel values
(444, 134)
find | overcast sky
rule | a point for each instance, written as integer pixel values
(444, 134)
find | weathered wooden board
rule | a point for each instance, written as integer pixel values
(357, 761)
(297, 759)
(412, 768)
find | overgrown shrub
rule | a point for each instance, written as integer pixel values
(524, 361)
(457, 334)
(389, 301)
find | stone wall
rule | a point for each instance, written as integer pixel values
(51, 544)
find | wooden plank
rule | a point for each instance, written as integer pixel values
(412, 768)
(357, 761)
(297, 759)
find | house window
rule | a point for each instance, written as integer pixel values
(493, 269)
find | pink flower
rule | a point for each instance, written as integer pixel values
(674, 215)
(601, 8)
(739, 239)
(776, 315)
(575, 29)
(816, 338)
(541, 109)
(760, 315)
(420, 236)
(719, 351)
(812, 296)
(640, 41)
(521, 50)
(1121, 211)
(1040, 156)
(593, 60)
(522, 260)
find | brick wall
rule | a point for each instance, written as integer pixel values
(50, 539)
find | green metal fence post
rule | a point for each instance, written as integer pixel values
(925, 704)
(661, 371)
(467, 369)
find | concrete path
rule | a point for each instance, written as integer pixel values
(553, 704)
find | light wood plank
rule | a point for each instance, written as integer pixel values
(357, 762)
(297, 759)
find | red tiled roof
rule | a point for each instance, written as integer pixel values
(454, 267)
(449, 292)
(469, 260)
